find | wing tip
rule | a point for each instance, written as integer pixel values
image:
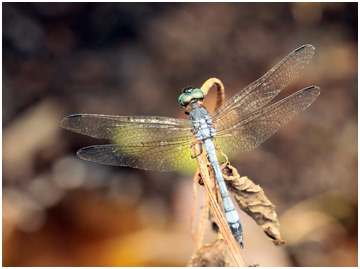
(315, 88)
(74, 116)
(87, 148)
(80, 153)
(305, 46)
(64, 121)
(309, 88)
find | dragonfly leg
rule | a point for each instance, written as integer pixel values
(199, 149)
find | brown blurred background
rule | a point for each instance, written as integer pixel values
(134, 59)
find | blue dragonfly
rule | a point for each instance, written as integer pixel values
(164, 144)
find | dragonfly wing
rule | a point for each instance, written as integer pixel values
(149, 156)
(248, 132)
(126, 130)
(263, 90)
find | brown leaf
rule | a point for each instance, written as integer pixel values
(251, 199)
(211, 255)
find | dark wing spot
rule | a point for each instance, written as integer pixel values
(74, 116)
(309, 88)
(87, 148)
(301, 48)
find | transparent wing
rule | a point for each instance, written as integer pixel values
(129, 130)
(152, 143)
(247, 132)
(149, 156)
(263, 90)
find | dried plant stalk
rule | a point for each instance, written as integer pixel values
(229, 240)
(195, 246)
(220, 96)
(198, 241)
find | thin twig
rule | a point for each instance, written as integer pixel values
(193, 210)
(220, 95)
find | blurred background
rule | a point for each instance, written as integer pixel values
(134, 59)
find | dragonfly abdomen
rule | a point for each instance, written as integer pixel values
(205, 132)
(231, 214)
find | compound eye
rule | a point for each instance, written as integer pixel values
(184, 99)
(198, 94)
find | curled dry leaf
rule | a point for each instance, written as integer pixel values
(211, 255)
(251, 199)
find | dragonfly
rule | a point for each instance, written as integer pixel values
(165, 144)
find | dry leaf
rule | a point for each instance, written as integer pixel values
(211, 255)
(252, 200)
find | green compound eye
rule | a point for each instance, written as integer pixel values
(184, 99)
(197, 94)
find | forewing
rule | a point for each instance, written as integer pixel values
(125, 130)
(148, 156)
(263, 90)
(250, 131)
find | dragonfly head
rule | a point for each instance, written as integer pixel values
(190, 95)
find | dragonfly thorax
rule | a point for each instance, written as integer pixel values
(201, 122)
